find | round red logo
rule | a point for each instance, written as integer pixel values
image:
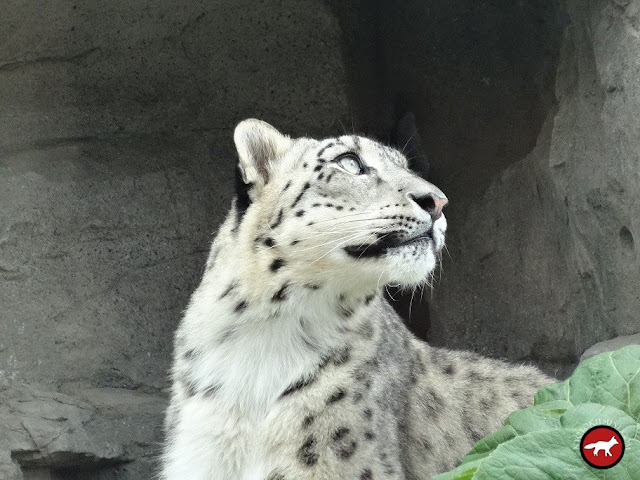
(602, 447)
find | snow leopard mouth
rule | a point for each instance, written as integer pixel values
(387, 243)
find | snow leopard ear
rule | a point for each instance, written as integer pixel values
(259, 146)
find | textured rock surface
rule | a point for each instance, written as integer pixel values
(98, 432)
(546, 262)
(116, 160)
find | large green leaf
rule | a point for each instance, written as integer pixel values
(542, 442)
(611, 378)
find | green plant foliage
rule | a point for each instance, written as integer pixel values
(543, 442)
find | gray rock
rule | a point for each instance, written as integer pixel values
(47, 433)
(545, 261)
(610, 345)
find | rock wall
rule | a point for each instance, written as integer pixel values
(116, 161)
(546, 262)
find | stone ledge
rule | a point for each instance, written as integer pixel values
(47, 433)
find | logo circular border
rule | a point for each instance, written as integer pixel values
(598, 466)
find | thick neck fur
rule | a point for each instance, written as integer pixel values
(259, 324)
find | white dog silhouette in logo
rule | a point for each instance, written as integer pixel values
(606, 446)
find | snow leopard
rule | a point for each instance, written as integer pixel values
(289, 362)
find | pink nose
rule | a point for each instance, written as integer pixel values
(432, 204)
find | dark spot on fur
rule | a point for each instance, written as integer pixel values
(286, 187)
(402, 426)
(321, 176)
(328, 145)
(329, 205)
(352, 209)
(241, 306)
(342, 356)
(315, 205)
(277, 264)
(373, 363)
(275, 475)
(339, 207)
(280, 295)
(324, 362)
(345, 312)
(357, 397)
(366, 475)
(269, 242)
(305, 165)
(308, 421)
(449, 370)
(189, 387)
(475, 436)
(318, 168)
(277, 221)
(339, 434)
(299, 385)
(307, 453)
(369, 435)
(368, 299)
(336, 396)
(304, 189)
(299, 213)
(189, 354)
(295, 242)
(344, 445)
(329, 177)
(227, 333)
(312, 286)
(211, 391)
(478, 377)
(368, 413)
(426, 444)
(228, 290)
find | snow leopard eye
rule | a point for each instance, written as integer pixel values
(351, 163)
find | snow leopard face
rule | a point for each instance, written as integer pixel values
(345, 210)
